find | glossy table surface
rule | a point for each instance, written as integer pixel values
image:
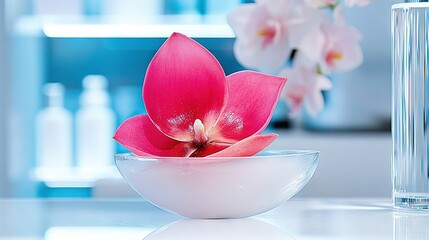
(54, 219)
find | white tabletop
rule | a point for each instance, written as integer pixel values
(136, 219)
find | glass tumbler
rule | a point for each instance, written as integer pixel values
(410, 105)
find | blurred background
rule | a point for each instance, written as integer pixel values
(65, 65)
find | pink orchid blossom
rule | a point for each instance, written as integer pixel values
(305, 86)
(334, 46)
(261, 38)
(195, 111)
(268, 30)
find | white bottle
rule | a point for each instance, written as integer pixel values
(95, 123)
(54, 130)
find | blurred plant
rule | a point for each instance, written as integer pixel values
(305, 41)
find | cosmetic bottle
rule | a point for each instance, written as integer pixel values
(54, 130)
(95, 122)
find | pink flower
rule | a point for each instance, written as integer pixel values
(334, 46)
(195, 111)
(261, 38)
(305, 86)
(268, 30)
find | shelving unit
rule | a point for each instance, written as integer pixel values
(73, 177)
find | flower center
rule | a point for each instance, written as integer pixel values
(269, 33)
(333, 56)
(200, 137)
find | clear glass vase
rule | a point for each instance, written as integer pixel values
(410, 105)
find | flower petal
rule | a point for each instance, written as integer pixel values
(239, 18)
(305, 86)
(253, 97)
(184, 82)
(314, 100)
(312, 45)
(247, 147)
(295, 90)
(140, 136)
(352, 56)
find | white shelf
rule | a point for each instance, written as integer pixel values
(73, 177)
(102, 27)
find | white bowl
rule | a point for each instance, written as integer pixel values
(226, 187)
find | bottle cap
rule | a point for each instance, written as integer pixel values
(94, 91)
(54, 93)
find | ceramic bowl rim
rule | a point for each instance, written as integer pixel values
(269, 154)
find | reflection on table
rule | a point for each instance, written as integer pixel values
(137, 219)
